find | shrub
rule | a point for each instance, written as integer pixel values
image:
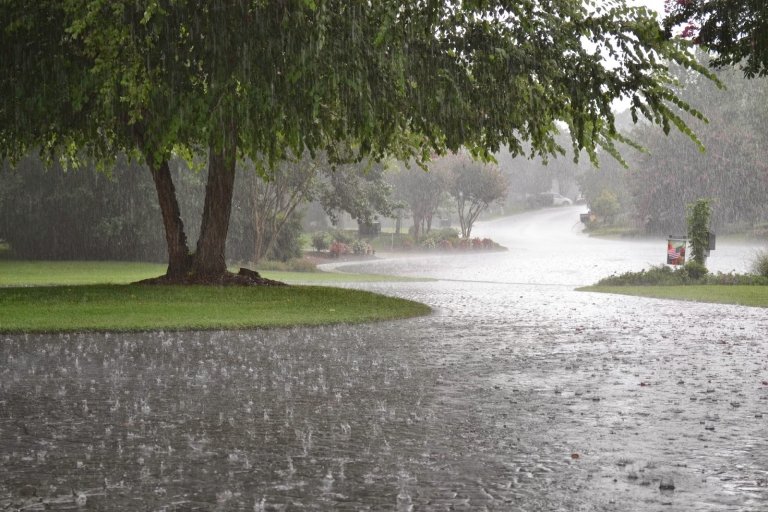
(760, 263)
(658, 274)
(338, 248)
(695, 270)
(321, 241)
(698, 229)
(292, 265)
(429, 243)
(361, 247)
(342, 236)
(690, 273)
(606, 205)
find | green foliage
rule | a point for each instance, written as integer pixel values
(698, 229)
(732, 172)
(655, 275)
(287, 244)
(760, 263)
(606, 206)
(344, 237)
(690, 274)
(474, 186)
(695, 270)
(735, 32)
(264, 79)
(292, 265)
(422, 192)
(80, 214)
(321, 240)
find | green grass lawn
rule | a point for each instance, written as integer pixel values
(744, 295)
(42, 273)
(95, 296)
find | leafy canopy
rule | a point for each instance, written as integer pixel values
(736, 32)
(155, 76)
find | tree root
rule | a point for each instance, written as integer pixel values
(245, 277)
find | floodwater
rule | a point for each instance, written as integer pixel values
(518, 393)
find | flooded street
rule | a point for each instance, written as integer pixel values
(518, 393)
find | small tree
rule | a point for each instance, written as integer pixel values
(321, 241)
(422, 191)
(606, 206)
(475, 186)
(698, 229)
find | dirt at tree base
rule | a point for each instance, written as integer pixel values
(245, 277)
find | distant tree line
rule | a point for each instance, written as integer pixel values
(655, 188)
(53, 213)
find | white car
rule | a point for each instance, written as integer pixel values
(554, 199)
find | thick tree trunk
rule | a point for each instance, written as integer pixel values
(179, 259)
(209, 259)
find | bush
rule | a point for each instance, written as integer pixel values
(606, 205)
(692, 273)
(321, 241)
(760, 263)
(429, 243)
(292, 265)
(287, 244)
(361, 247)
(655, 275)
(342, 236)
(695, 270)
(338, 249)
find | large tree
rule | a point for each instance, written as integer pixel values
(735, 31)
(255, 78)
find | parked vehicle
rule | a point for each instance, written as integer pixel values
(549, 199)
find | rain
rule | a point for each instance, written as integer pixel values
(518, 392)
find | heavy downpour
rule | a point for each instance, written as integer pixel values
(405, 256)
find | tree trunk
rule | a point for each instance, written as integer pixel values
(209, 259)
(179, 259)
(259, 232)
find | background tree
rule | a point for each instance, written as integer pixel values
(736, 32)
(422, 190)
(236, 79)
(48, 213)
(359, 189)
(474, 186)
(606, 206)
(732, 171)
(275, 199)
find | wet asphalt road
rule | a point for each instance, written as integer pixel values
(518, 393)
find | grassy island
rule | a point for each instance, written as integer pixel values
(96, 296)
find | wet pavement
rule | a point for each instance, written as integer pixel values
(518, 393)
